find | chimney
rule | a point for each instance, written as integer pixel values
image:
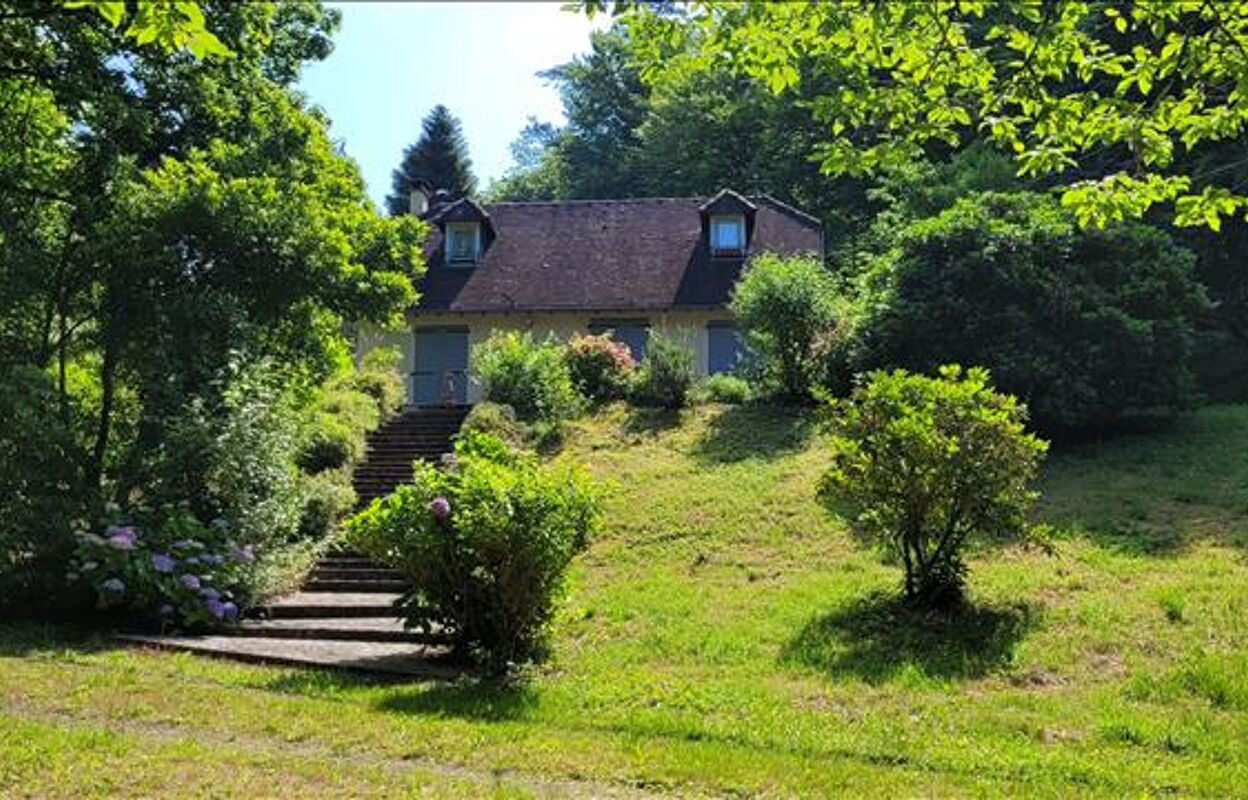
(418, 202)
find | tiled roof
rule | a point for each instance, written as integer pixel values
(605, 255)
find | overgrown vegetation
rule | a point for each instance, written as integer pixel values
(486, 541)
(531, 376)
(665, 375)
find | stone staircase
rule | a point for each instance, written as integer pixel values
(344, 616)
(416, 433)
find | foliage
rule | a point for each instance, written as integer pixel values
(498, 421)
(665, 375)
(1108, 95)
(786, 307)
(921, 465)
(530, 376)
(721, 388)
(168, 569)
(1088, 327)
(439, 158)
(378, 377)
(486, 542)
(601, 367)
(170, 26)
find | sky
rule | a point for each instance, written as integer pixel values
(392, 62)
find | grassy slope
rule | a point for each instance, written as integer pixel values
(726, 635)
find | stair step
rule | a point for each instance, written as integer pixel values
(357, 587)
(389, 659)
(334, 572)
(358, 629)
(332, 604)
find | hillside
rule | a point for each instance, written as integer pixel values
(725, 635)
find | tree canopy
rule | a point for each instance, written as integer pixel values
(439, 158)
(1116, 103)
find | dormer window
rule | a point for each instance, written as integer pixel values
(463, 242)
(727, 235)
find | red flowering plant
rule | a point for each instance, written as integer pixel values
(166, 566)
(601, 367)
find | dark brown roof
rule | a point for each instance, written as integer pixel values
(605, 255)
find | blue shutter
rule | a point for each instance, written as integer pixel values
(723, 348)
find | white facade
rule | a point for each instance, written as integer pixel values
(686, 326)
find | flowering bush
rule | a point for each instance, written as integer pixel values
(485, 538)
(601, 367)
(172, 569)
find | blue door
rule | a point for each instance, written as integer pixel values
(723, 347)
(440, 374)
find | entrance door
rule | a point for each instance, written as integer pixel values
(440, 376)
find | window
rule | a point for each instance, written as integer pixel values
(462, 242)
(727, 235)
(632, 332)
(723, 347)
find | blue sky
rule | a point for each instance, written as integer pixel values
(392, 62)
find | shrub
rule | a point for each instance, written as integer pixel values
(721, 388)
(531, 377)
(601, 368)
(786, 307)
(328, 498)
(329, 444)
(378, 377)
(497, 420)
(486, 541)
(920, 465)
(665, 375)
(166, 567)
(1087, 327)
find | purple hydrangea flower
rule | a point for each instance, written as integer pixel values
(230, 611)
(209, 593)
(215, 608)
(191, 582)
(182, 544)
(121, 538)
(193, 560)
(440, 508)
(213, 559)
(113, 586)
(162, 563)
(243, 555)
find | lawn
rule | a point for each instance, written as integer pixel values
(725, 636)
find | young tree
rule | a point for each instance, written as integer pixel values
(439, 157)
(920, 465)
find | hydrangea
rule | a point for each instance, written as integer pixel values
(243, 555)
(162, 563)
(230, 611)
(209, 593)
(440, 508)
(214, 607)
(191, 582)
(113, 586)
(449, 461)
(121, 538)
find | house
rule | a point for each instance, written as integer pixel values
(627, 267)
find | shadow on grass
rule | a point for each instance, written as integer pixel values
(743, 432)
(18, 639)
(879, 636)
(488, 700)
(651, 421)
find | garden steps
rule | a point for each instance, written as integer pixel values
(359, 629)
(304, 604)
(417, 433)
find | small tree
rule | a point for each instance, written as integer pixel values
(439, 157)
(787, 308)
(921, 464)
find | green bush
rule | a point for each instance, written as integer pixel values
(328, 498)
(378, 377)
(920, 465)
(329, 444)
(486, 541)
(786, 308)
(665, 376)
(1087, 327)
(497, 420)
(532, 377)
(721, 388)
(40, 489)
(601, 367)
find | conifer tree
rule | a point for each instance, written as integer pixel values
(439, 157)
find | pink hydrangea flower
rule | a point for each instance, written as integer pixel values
(440, 508)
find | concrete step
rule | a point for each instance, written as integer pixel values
(386, 659)
(369, 586)
(331, 604)
(358, 629)
(329, 572)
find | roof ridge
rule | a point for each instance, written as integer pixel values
(590, 201)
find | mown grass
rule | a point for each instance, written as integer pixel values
(726, 636)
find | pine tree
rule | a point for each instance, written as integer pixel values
(439, 156)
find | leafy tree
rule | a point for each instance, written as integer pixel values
(921, 465)
(1105, 95)
(1089, 327)
(786, 307)
(439, 157)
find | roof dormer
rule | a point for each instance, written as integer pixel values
(727, 224)
(466, 232)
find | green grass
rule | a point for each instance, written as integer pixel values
(726, 636)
